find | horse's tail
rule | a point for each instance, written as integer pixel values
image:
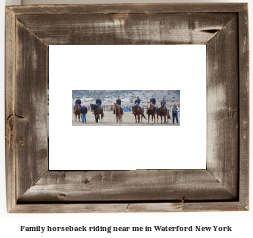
(144, 116)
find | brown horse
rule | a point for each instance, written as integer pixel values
(162, 113)
(151, 111)
(137, 111)
(168, 116)
(118, 112)
(77, 111)
(97, 111)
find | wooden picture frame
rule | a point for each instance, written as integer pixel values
(222, 186)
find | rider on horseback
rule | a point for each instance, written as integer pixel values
(99, 102)
(118, 101)
(152, 100)
(135, 108)
(78, 101)
(138, 101)
(163, 102)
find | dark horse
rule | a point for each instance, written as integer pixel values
(77, 111)
(136, 110)
(118, 112)
(162, 113)
(151, 111)
(97, 110)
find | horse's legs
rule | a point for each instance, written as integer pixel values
(164, 119)
(148, 118)
(161, 119)
(135, 119)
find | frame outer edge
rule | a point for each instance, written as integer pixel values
(146, 8)
(10, 67)
(222, 107)
(10, 70)
(128, 207)
(31, 149)
(244, 106)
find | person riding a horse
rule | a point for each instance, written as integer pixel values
(152, 100)
(138, 101)
(163, 102)
(118, 101)
(78, 101)
(77, 109)
(99, 103)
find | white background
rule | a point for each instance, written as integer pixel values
(9, 223)
(125, 67)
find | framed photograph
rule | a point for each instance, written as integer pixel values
(33, 34)
(153, 134)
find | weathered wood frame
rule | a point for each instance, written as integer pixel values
(223, 186)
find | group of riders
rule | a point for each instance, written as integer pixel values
(174, 109)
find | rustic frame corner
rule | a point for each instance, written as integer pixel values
(222, 186)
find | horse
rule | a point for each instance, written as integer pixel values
(151, 111)
(162, 113)
(168, 116)
(137, 111)
(97, 111)
(118, 112)
(77, 110)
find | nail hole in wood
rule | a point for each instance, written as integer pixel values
(61, 195)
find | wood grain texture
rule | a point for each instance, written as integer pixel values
(244, 106)
(120, 29)
(139, 185)
(129, 207)
(31, 109)
(223, 186)
(186, 207)
(129, 8)
(9, 108)
(222, 107)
